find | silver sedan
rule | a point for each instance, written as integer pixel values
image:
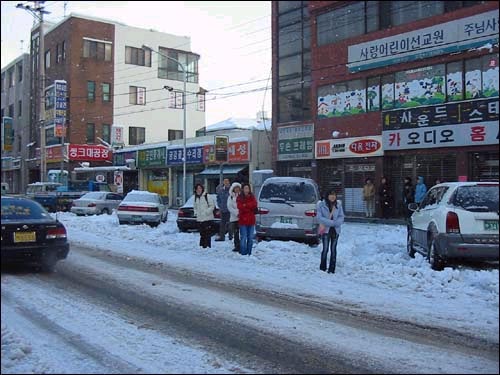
(96, 202)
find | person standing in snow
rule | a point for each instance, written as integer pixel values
(234, 228)
(420, 190)
(204, 210)
(385, 197)
(369, 197)
(330, 217)
(247, 204)
(408, 196)
(222, 195)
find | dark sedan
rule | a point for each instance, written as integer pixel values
(186, 221)
(30, 235)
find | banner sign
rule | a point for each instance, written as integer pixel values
(194, 155)
(454, 36)
(295, 142)
(238, 152)
(7, 134)
(89, 153)
(349, 147)
(472, 111)
(221, 146)
(117, 135)
(153, 157)
(456, 135)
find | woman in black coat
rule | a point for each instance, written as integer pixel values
(385, 197)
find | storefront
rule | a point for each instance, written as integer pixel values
(130, 177)
(345, 164)
(153, 172)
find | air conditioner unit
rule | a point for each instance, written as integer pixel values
(178, 201)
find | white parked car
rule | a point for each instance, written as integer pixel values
(456, 221)
(96, 202)
(142, 207)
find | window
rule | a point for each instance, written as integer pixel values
(174, 134)
(341, 23)
(58, 54)
(106, 92)
(168, 67)
(11, 77)
(137, 56)
(473, 82)
(106, 133)
(3, 82)
(11, 110)
(90, 91)
(401, 12)
(136, 135)
(19, 108)
(387, 82)
(137, 95)
(97, 50)
(490, 75)
(176, 100)
(342, 99)
(63, 48)
(90, 133)
(19, 72)
(373, 94)
(454, 81)
(47, 59)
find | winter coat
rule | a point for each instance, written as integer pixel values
(385, 195)
(420, 190)
(247, 204)
(222, 195)
(203, 207)
(368, 192)
(323, 215)
(232, 206)
(408, 193)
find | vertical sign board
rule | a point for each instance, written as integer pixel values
(61, 105)
(221, 146)
(117, 136)
(7, 134)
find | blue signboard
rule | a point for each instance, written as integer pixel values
(61, 102)
(194, 155)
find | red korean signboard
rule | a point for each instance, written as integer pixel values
(238, 152)
(89, 153)
(365, 146)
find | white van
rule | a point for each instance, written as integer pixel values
(287, 210)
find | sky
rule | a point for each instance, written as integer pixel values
(373, 274)
(233, 39)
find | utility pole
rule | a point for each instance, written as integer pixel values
(38, 11)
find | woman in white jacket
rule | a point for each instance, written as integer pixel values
(234, 228)
(204, 210)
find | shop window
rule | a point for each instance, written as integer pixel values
(490, 75)
(473, 82)
(421, 86)
(373, 94)
(342, 99)
(387, 91)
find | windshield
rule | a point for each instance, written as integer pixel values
(38, 188)
(291, 192)
(19, 209)
(479, 198)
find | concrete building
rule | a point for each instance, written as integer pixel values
(391, 89)
(117, 92)
(15, 106)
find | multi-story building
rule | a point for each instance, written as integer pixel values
(385, 88)
(118, 91)
(16, 119)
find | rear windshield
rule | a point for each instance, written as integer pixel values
(479, 198)
(293, 192)
(151, 198)
(94, 195)
(15, 209)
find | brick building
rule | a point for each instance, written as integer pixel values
(385, 88)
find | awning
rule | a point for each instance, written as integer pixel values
(226, 170)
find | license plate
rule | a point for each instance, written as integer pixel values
(136, 218)
(24, 237)
(286, 220)
(490, 225)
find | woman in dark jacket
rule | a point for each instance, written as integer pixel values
(247, 204)
(385, 197)
(408, 196)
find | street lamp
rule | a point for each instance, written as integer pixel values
(184, 76)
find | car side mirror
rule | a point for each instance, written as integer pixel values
(413, 207)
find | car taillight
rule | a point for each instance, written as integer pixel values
(217, 214)
(181, 213)
(311, 213)
(262, 211)
(138, 208)
(91, 205)
(452, 224)
(54, 233)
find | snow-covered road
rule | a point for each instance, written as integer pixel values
(262, 294)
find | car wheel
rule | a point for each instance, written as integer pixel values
(409, 244)
(154, 225)
(121, 222)
(436, 262)
(105, 211)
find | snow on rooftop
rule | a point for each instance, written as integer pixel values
(240, 123)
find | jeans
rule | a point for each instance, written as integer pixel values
(206, 234)
(246, 241)
(234, 230)
(329, 241)
(224, 220)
